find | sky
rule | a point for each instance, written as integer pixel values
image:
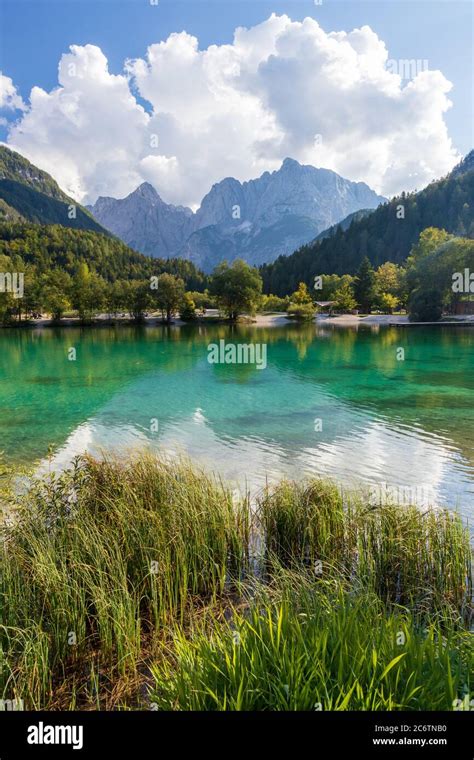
(105, 94)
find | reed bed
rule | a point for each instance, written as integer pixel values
(407, 556)
(102, 557)
(124, 583)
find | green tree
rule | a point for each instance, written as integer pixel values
(203, 300)
(7, 307)
(169, 295)
(7, 300)
(426, 305)
(331, 283)
(237, 287)
(344, 298)
(88, 293)
(301, 305)
(29, 301)
(55, 289)
(429, 240)
(116, 297)
(302, 295)
(138, 298)
(388, 279)
(387, 302)
(187, 310)
(364, 285)
(437, 271)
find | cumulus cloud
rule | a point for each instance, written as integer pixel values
(86, 132)
(9, 97)
(282, 88)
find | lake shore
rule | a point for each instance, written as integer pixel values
(276, 319)
(354, 320)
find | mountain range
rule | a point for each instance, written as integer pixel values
(384, 234)
(257, 220)
(275, 210)
(36, 226)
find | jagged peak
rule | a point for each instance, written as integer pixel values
(290, 163)
(146, 190)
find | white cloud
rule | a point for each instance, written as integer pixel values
(88, 131)
(237, 110)
(9, 97)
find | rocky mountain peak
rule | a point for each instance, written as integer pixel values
(258, 220)
(290, 163)
(147, 192)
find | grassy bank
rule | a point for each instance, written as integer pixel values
(295, 649)
(143, 584)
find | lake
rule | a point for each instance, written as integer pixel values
(333, 401)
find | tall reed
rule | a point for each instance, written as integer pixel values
(107, 554)
(114, 565)
(408, 556)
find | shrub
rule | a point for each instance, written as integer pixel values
(274, 303)
(425, 305)
(188, 309)
(303, 312)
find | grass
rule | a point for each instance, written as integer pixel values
(333, 650)
(126, 583)
(407, 556)
(102, 557)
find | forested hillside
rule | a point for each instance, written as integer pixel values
(31, 194)
(385, 234)
(49, 247)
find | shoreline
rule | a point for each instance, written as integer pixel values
(259, 320)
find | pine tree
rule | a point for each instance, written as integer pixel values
(364, 285)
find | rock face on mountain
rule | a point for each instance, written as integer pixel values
(145, 222)
(257, 220)
(447, 204)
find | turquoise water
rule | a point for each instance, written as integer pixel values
(408, 424)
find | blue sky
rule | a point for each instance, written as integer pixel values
(34, 36)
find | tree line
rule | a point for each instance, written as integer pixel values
(386, 234)
(436, 277)
(52, 246)
(87, 274)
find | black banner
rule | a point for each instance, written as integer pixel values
(89, 734)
